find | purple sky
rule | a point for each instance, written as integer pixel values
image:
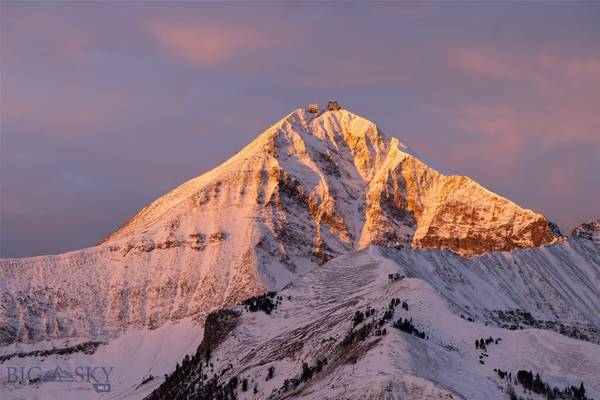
(104, 107)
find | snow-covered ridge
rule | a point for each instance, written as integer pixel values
(312, 346)
(454, 300)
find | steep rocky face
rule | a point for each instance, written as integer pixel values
(309, 188)
(335, 182)
(588, 231)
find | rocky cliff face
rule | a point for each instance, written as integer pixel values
(588, 231)
(335, 182)
(307, 189)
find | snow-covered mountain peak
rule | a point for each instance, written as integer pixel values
(357, 186)
(328, 210)
(311, 187)
(313, 148)
(337, 129)
(336, 122)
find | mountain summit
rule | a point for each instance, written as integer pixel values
(311, 187)
(329, 183)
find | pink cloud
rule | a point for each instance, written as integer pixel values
(562, 107)
(551, 101)
(206, 44)
(548, 72)
(481, 62)
(503, 131)
(580, 71)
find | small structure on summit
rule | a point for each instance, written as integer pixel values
(333, 106)
(313, 108)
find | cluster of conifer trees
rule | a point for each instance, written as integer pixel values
(357, 335)
(395, 277)
(481, 344)
(406, 325)
(204, 387)
(267, 302)
(535, 384)
(86, 348)
(308, 372)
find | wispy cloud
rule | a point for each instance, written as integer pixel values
(209, 44)
(548, 96)
(544, 70)
(483, 62)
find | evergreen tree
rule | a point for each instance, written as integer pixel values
(580, 393)
(270, 372)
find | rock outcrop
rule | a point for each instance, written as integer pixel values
(589, 230)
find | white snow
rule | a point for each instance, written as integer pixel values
(134, 356)
(305, 190)
(312, 322)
